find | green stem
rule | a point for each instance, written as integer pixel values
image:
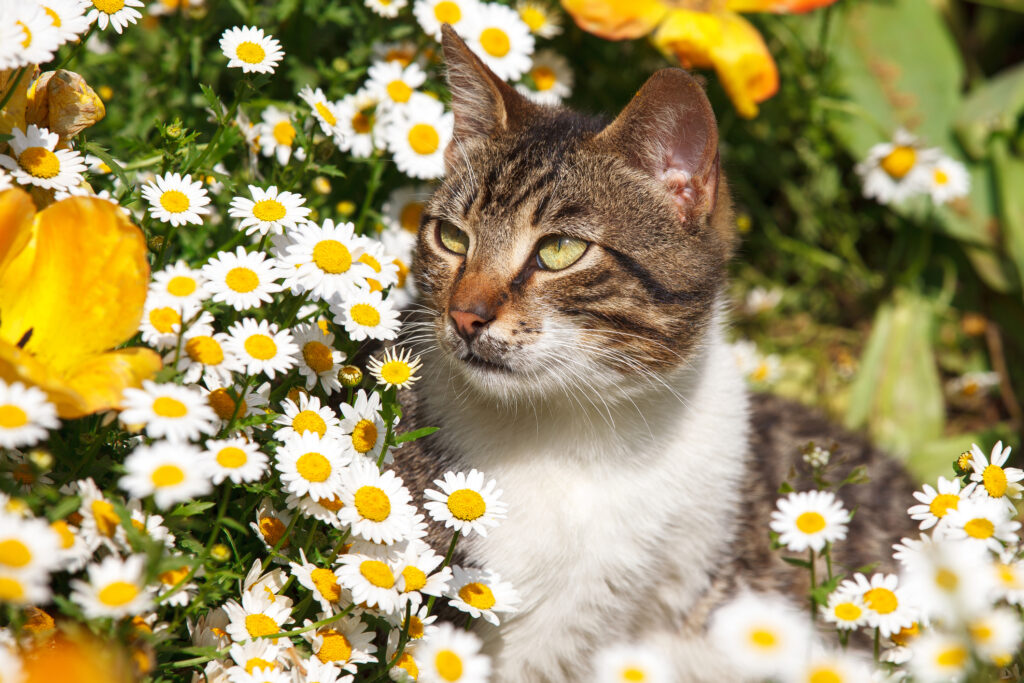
(76, 49)
(877, 647)
(814, 579)
(371, 190)
(238, 404)
(447, 561)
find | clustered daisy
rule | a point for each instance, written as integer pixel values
(895, 171)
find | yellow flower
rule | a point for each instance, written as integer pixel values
(73, 654)
(72, 286)
(700, 33)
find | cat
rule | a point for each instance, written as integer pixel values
(572, 325)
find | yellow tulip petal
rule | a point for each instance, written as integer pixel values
(777, 6)
(20, 366)
(13, 114)
(102, 379)
(16, 212)
(616, 19)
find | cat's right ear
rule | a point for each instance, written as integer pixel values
(483, 104)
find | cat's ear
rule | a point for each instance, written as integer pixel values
(483, 104)
(669, 130)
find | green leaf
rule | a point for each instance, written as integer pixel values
(786, 487)
(191, 509)
(64, 508)
(992, 107)
(415, 434)
(797, 562)
(214, 102)
(104, 156)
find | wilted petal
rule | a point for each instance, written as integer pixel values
(64, 103)
(616, 19)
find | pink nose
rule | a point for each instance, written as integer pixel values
(469, 324)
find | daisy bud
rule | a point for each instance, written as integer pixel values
(350, 376)
(41, 458)
(962, 465)
(322, 185)
(220, 552)
(345, 208)
(156, 243)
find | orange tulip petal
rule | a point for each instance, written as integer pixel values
(777, 6)
(102, 379)
(616, 19)
(16, 212)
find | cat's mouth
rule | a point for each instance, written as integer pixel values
(476, 361)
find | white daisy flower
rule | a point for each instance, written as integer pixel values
(325, 509)
(307, 416)
(163, 317)
(834, 667)
(35, 160)
(541, 19)
(451, 655)
(501, 39)
(259, 654)
(171, 7)
(982, 521)
(74, 552)
(405, 670)
(372, 581)
(345, 643)
(262, 347)
(319, 672)
(466, 503)
(949, 180)
(393, 85)
(624, 663)
(403, 210)
(1008, 577)
(762, 635)
(176, 200)
(145, 524)
(948, 579)
(375, 504)
(323, 260)
(271, 524)
(170, 472)
(757, 367)
(972, 385)
(894, 171)
(357, 124)
(845, 609)
(325, 111)
(317, 358)
(935, 504)
(116, 13)
(386, 8)
(889, 607)
(205, 356)
(179, 282)
(171, 580)
(277, 136)
(40, 37)
(236, 459)
(383, 264)
(116, 588)
(322, 582)
(171, 411)
(419, 567)
(397, 369)
(809, 519)
(5, 181)
(367, 315)
(250, 49)
(421, 624)
(481, 593)
(939, 657)
(20, 588)
(996, 634)
(242, 279)
(28, 546)
(363, 426)
(25, 415)
(551, 77)
(404, 51)
(68, 16)
(998, 481)
(269, 211)
(431, 14)
(418, 136)
(257, 615)
(310, 465)
(100, 522)
(397, 241)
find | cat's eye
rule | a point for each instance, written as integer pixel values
(452, 238)
(556, 252)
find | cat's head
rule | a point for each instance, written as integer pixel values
(561, 250)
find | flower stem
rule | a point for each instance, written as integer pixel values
(447, 561)
(13, 86)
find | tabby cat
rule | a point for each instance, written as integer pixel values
(571, 318)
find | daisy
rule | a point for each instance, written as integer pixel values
(24, 589)
(540, 18)
(25, 415)
(947, 579)
(325, 111)
(5, 181)
(405, 670)
(393, 85)
(972, 384)
(888, 606)
(998, 481)
(948, 180)
(150, 526)
(357, 130)
(418, 136)
(981, 521)
(1008, 574)
(205, 356)
(404, 52)
(372, 581)
(35, 160)
(41, 38)
(319, 672)
(172, 580)
(269, 210)
(258, 654)
(170, 472)
(397, 241)
(176, 200)
(383, 265)
(180, 283)
(403, 210)
(322, 582)
(172, 7)
(367, 315)
(345, 643)
(277, 136)
(262, 347)
(845, 609)
(418, 564)
(323, 260)
(431, 14)
(68, 16)
(757, 367)
(834, 667)
(551, 77)
(307, 417)
(386, 8)
(317, 358)
(324, 509)
(501, 39)
(397, 369)
(162, 319)
(809, 519)
(465, 503)
(100, 522)
(625, 663)
(257, 615)
(311, 466)
(763, 634)
(481, 593)
(170, 411)
(249, 48)
(894, 171)
(116, 588)
(229, 402)
(375, 504)
(935, 504)
(116, 13)
(939, 657)
(28, 546)
(271, 525)
(362, 425)
(996, 634)
(242, 279)
(421, 624)
(236, 459)
(450, 655)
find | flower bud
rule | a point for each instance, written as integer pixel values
(350, 376)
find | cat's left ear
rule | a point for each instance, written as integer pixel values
(669, 130)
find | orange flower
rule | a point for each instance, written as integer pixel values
(73, 283)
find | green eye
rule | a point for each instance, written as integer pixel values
(558, 251)
(452, 238)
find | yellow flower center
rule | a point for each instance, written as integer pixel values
(361, 123)
(174, 201)
(260, 625)
(284, 133)
(12, 417)
(318, 357)
(54, 17)
(164, 406)
(313, 467)
(14, 553)
(943, 503)
(906, 634)
(250, 52)
(448, 665)
(899, 161)
(67, 539)
(180, 285)
(407, 664)
(940, 176)
(954, 657)
(847, 611)
(946, 580)
(204, 349)
(377, 573)
(364, 436)
(981, 632)
(370, 261)
(399, 91)
(365, 315)
(415, 627)
(108, 6)
(224, 405)
(11, 589)
(164, 319)
(173, 577)
(331, 256)
(118, 593)
(633, 674)
(272, 529)
(309, 421)
(231, 457)
(326, 583)
(994, 479)
(1007, 575)
(477, 595)
(415, 579)
(260, 347)
(447, 12)
(257, 663)
(39, 162)
(466, 504)
(335, 648)
(269, 210)
(395, 372)
(544, 77)
(372, 503)
(762, 638)
(823, 675)
(533, 18)
(881, 600)
(423, 139)
(495, 42)
(106, 519)
(810, 522)
(167, 475)
(410, 216)
(242, 280)
(979, 527)
(325, 114)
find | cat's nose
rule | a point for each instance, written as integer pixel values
(470, 323)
